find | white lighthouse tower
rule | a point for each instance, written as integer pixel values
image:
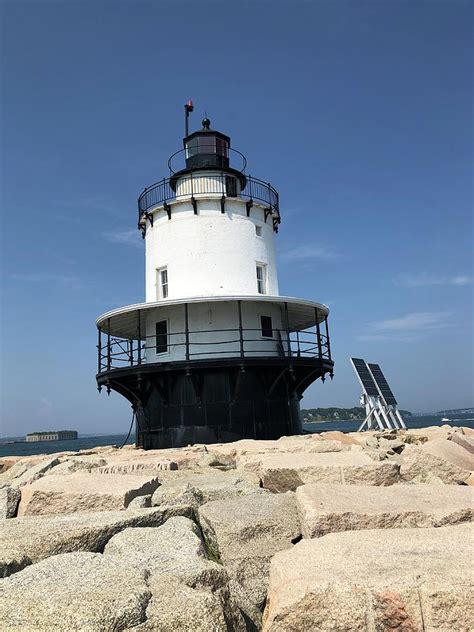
(214, 353)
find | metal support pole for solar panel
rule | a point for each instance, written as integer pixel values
(186, 329)
(393, 418)
(400, 418)
(383, 412)
(139, 359)
(368, 418)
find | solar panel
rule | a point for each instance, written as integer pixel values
(365, 377)
(382, 384)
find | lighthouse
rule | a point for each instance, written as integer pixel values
(214, 353)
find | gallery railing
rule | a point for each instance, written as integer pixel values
(201, 183)
(115, 353)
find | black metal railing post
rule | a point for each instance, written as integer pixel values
(327, 337)
(139, 358)
(318, 334)
(241, 330)
(288, 329)
(223, 192)
(186, 329)
(99, 347)
(298, 343)
(108, 345)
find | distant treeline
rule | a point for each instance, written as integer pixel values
(323, 414)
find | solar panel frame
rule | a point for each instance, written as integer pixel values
(382, 384)
(365, 377)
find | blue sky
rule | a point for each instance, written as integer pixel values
(359, 113)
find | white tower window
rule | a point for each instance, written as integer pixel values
(261, 278)
(162, 282)
(258, 230)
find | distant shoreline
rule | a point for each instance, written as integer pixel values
(22, 448)
(331, 421)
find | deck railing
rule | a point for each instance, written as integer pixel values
(115, 353)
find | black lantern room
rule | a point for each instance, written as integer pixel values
(207, 148)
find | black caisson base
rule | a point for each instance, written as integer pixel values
(178, 404)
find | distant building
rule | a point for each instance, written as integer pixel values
(54, 435)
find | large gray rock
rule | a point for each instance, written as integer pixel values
(83, 492)
(6, 462)
(15, 470)
(176, 606)
(245, 533)
(311, 443)
(465, 441)
(9, 499)
(396, 579)
(84, 463)
(177, 494)
(329, 508)
(175, 548)
(240, 452)
(195, 488)
(75, 591)
(24, 541)
(138, 467)
(284, 472)
(173, 555)
(451, 451)
(419, 466)
(23, 473)
(140, 502)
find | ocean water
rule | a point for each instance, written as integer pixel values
(83, 443)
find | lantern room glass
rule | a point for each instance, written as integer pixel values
(208, 144)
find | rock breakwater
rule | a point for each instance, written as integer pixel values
(319, 532)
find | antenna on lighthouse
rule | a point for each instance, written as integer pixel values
(189, 107)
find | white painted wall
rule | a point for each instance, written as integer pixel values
(203, 182)
(209, 319)
(209, 254)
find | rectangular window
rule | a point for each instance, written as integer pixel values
(162, 282)
(261, 278)
(191, 147)
(266, 326)
(258, 231)
(162, 336)
(221, 146)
